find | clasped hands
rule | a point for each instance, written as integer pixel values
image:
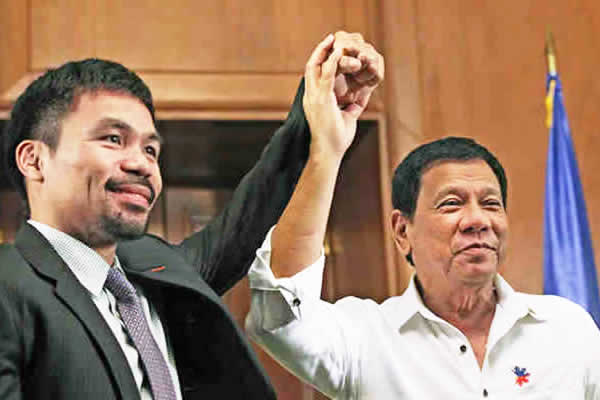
(340, 77)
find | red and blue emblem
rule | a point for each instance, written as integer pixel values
(522, 375)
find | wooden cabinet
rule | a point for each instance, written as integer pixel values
(196, 56)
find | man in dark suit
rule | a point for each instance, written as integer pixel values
(82, 149)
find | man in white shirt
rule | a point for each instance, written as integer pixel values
(458, 332)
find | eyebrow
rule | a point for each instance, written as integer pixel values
(121, 125)
(454, 189)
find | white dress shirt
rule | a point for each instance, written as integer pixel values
(91, 271)
(539, 347)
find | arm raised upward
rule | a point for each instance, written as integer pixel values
(340, 77)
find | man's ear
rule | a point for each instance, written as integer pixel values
(29, 161)
(400, 224)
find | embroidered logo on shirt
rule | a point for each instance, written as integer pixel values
(522, 375)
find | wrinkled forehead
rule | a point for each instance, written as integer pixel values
(447, 176)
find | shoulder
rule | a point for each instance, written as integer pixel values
(553, 307)
(562, 314)
(22, 288)
(368, 312)
(354, 310)
(7, 250)
(148, 248)
(13, 267)
(356, 303)
(146, 241)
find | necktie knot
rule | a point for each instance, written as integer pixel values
(119, 286)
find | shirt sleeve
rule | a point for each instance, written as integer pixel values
(304, 285)
(309, 336)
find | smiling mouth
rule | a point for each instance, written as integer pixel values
(139, 193)
(477, 246)
(134, 197)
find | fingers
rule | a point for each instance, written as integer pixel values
(372, 72)
(352, 43)
(318, 56)
(330, 67)
(349, 65)
(356, 50)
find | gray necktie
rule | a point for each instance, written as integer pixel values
(132, 315)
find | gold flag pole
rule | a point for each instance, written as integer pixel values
(551, 53)
(551, 59)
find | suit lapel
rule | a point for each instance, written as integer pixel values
(157, 266)
(42, 257)
(149, 259)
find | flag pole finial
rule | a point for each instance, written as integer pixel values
(551, 53)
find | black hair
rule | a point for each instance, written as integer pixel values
(41, 108)
(406, 183)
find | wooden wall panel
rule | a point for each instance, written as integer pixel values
(402, 96)
(483, 75)
(357, 264)
(11, 215)
(209, 36)
(61, 30)
(14, 45)
(214, 35)
(187, 210)
(212, 55)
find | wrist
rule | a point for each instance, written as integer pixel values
(325, 156)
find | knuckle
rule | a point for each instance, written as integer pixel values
(357, 36)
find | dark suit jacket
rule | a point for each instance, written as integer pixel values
(54, 344)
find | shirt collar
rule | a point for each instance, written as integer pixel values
(89, 267)
(401, 309)
(516, 304)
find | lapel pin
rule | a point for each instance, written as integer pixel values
(157, 269)
(522, 375)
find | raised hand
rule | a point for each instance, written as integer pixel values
(360, 70)
(332, 129)
(340, 75)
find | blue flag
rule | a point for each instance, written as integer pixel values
(569, 268)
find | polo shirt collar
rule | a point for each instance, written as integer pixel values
(401, 309)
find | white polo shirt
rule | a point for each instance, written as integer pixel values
(539, 347)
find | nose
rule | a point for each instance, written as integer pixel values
(136, 162)
(475, 220)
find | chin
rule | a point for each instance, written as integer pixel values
(121, 228)
(478, 273)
